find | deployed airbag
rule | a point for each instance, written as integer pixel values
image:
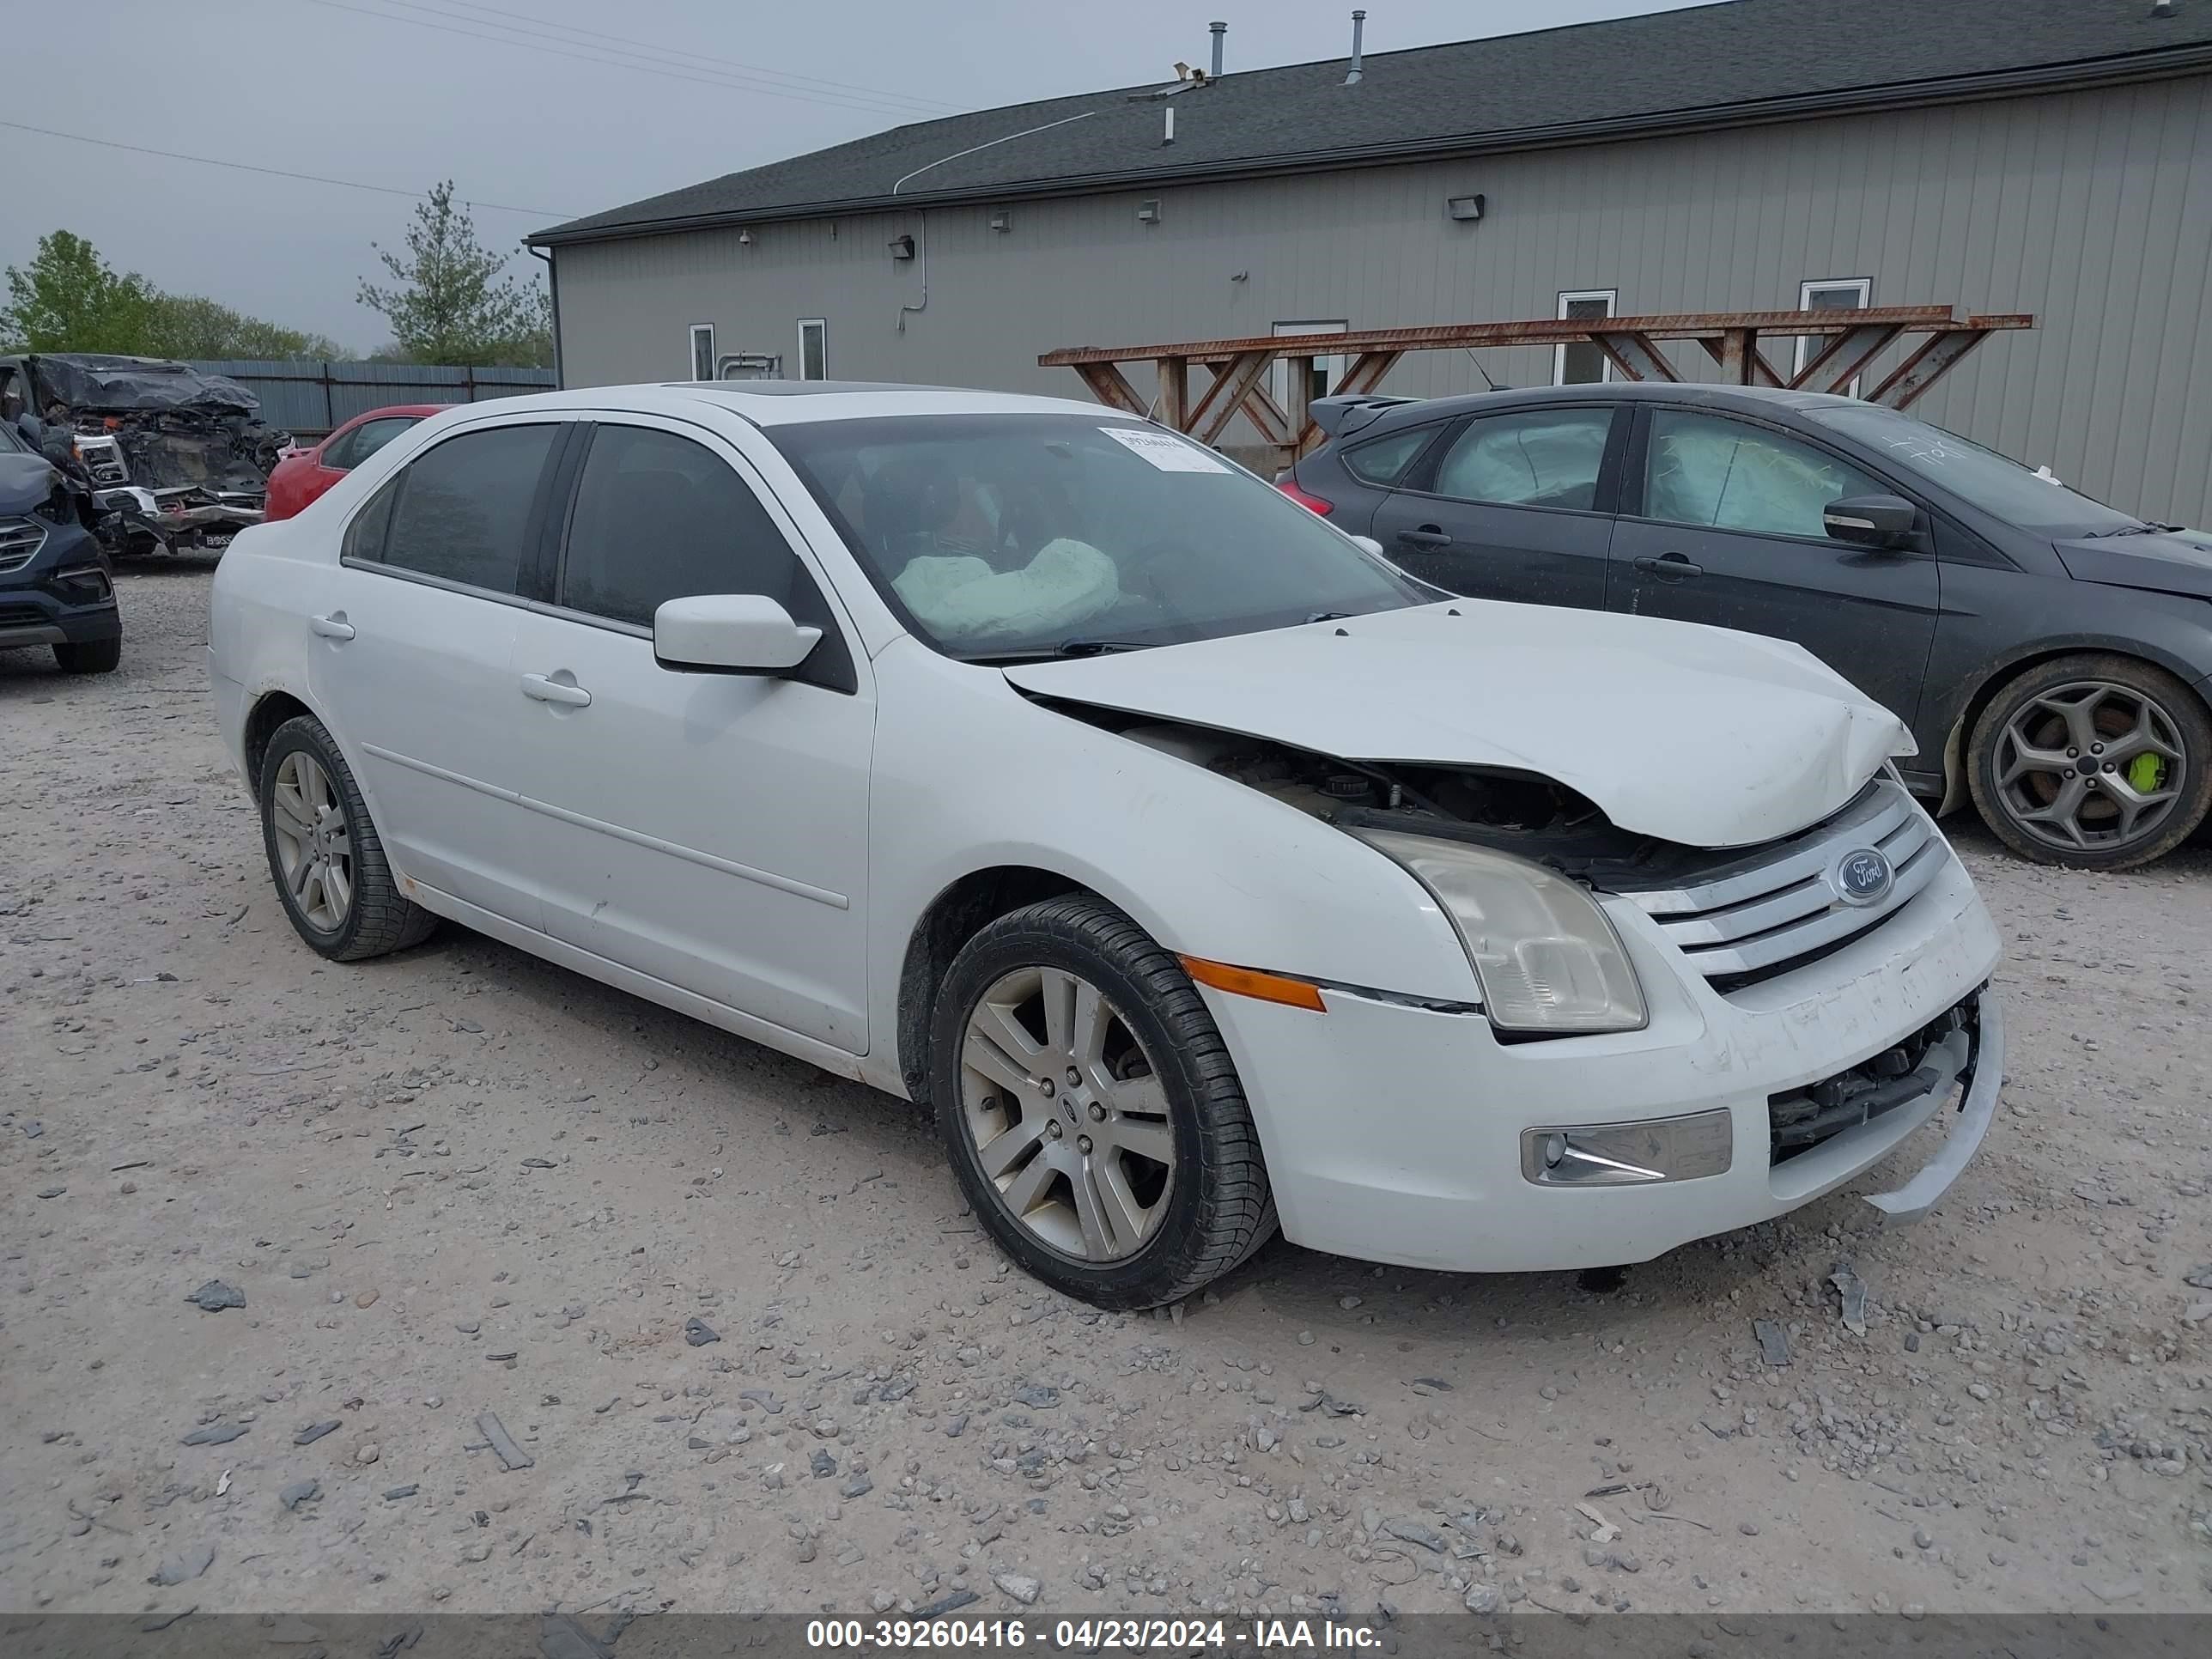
(959, 598)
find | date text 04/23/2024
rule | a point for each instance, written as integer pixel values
(1092, 1635)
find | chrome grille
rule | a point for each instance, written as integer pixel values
(20, 542)
(1761, 914)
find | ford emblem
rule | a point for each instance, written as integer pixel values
(1863, 877)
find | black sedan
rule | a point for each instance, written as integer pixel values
(54, 585)
(2052, 656)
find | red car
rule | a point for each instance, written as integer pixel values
(302, 476)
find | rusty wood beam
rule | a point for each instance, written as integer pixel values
(1231, 385)
(1266, 417)
(1111, 387)
(1844, 359)
(1633, 353)
(1540, 330)
(1732, 351)
(1937, 356)
(1298, 382)
(1174, 391)
(1366, 372)
(1743, 363)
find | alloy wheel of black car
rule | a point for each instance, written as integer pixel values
(2099, 763)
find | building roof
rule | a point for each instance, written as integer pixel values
(1704, 66)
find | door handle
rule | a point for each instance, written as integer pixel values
(332, 627)
(1427, 536)
(545, 689)
(1673, 568)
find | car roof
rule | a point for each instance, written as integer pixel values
(786, 403)
(1749, 399)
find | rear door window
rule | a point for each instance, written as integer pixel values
(1532, 458)
(1384, 460)
(463, 513)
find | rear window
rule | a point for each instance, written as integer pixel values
(350, 449)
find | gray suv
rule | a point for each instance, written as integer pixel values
(2052, 655)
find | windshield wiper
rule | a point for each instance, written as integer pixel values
(1098, 647)
(2132, 530)
(1329, 615)
(1076, 648)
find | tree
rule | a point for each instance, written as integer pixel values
(187, 326)
(68, 299)
(452, 299)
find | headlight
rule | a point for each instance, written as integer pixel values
(1547, 959)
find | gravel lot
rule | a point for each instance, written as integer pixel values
(461, 1185)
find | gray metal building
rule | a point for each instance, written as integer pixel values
(2051, 156)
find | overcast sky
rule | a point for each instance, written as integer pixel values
(528, 104)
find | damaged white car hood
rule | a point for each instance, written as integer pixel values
(1693, 734)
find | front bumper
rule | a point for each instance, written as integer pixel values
(37, 606)
(1393, 1132)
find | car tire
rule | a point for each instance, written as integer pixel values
(90, 656)
(2148, 734)
(1158, 1054)
(312, 813)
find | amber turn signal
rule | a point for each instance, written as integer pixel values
(1251, 983)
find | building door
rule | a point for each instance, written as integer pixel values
(1834, 293)
(1326, 371)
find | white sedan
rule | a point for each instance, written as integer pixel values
(1200, 871)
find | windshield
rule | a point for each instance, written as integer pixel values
(1981, 477)
(1001, 535)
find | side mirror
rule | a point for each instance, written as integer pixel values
(1871, 521)
(730, 634)
(1370, 544)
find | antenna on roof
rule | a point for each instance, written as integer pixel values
(1358, 27)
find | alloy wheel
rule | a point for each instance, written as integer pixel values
(2090, 765)
(314, 848)
(1067, 1115)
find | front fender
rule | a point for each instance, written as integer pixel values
(971, 775)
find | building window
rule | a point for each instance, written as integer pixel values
(1326, 370)
(1830, 294)
(702, 351)
(1583, 363)
(813, 348)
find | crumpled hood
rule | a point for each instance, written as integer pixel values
(1696, 735)
(2171, 561)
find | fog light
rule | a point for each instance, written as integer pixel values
(1635, 1154)
(85, 582)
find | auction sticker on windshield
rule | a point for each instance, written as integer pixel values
(1166, 453)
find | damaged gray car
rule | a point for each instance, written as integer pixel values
(181, 459)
